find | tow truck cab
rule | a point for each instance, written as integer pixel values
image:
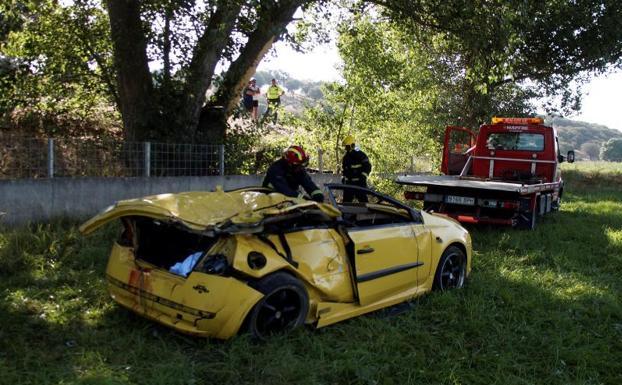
(509, 149)
(506, 174)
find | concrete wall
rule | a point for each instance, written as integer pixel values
(40, 200)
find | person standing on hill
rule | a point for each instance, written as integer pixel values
(247, 98)
(274, 100)
(356, 168)
(253, 91)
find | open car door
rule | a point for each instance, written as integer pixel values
(384, 251)
(458, 141)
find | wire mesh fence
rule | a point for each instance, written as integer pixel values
(27, 158)
(24, 157)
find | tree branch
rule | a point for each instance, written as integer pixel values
(206, 55)
(273, 20)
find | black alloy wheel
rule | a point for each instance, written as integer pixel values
(283, 308)
(451, 270)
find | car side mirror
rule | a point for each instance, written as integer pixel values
(570, 156)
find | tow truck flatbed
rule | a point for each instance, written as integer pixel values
(474, 183)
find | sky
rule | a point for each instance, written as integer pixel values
(601, 104)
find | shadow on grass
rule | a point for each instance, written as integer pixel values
(498, 330)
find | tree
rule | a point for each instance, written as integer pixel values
(57, 58)
(591, 149)
(200, 35)
(612, 150)
(547, 43)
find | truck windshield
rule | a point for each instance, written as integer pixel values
(515, 141)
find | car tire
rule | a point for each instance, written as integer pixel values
(451, 270)
(283, 308)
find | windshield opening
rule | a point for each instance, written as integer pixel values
(515, 141)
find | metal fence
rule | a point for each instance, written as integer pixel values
(23, 157)
(27, 158)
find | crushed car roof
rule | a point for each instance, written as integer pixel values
(200, 210)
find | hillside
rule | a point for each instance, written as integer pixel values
(581, 136)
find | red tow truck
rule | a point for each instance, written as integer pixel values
(507, 174)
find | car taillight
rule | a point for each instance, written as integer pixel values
(414, 195)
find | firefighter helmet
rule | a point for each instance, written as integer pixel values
(296, 156)
(348, 140)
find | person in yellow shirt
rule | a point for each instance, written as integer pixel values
(273, 94)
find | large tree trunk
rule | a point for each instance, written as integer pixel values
(274, 18)
(207, 53)
(133, 77)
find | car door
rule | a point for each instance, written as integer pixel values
(384, 253)
(385, 260)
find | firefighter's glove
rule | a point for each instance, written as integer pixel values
(318, 197)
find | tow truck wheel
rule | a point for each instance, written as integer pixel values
(527, 220)
(555, 205)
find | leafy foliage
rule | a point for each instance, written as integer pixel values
(612, 150)
(549, 43)
(591, 150)
(60, 60)
(398, 96)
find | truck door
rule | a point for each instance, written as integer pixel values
(458, 141)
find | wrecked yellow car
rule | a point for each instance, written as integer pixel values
(211, 263)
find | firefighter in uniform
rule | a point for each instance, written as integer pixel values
(288, 174)
(356, 168)
(274, 100)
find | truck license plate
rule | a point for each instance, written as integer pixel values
(456, 200)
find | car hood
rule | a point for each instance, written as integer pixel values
(200, 211)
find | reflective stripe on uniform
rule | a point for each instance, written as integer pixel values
(356, 166)
(298, 154)
(316, 192)
(271, 186)
(353, 179)
(273, 92)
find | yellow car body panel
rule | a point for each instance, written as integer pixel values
(346, 270)
(447, 231)
(203, 305)
(329, 313)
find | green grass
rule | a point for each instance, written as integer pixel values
(541, 307)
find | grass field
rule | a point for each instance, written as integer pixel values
(541, 307)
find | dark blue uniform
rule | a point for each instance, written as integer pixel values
(356, 168)
(282, 178)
